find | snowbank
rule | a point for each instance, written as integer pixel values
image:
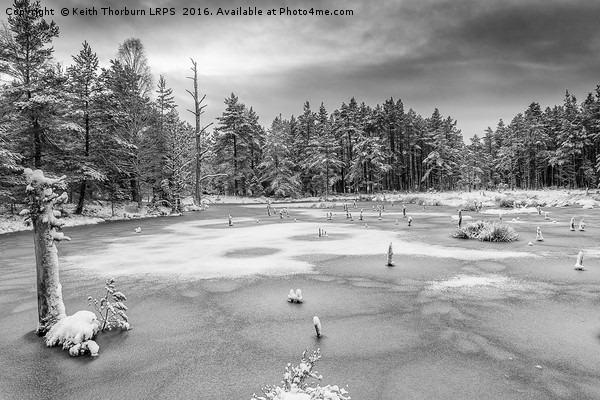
(75, 333)
(93, 213)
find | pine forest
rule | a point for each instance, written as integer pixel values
(117, 134)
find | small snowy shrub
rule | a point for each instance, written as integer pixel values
(498, 232)
(460, 233)
(486, 231)
(75, 333)
(111, 308)
(505, 202)
(295, 385)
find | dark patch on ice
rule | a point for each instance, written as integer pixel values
(251, 252)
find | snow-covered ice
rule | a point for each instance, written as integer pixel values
(190, 249)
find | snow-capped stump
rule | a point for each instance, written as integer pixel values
(317, 324)
(409, 221)
(581, 225)
(46, 228)
(75, 333)
(572, 224)
(230, 220)
(538, 235)
(390, 254)
(295, 297)
(579, 263)
(257, 221)
(360, 217)
(529, 244)
(138, 229)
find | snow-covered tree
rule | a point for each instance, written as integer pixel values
(238, 140)
(46, 228)
(25, 56)
(277, 167)
(83, 85)
(323, 154)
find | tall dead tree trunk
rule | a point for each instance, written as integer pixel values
(46, 229)
(198, 131)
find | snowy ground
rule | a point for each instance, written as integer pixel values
(93, 214)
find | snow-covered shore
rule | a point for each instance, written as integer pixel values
(98, 212)
(93, 214)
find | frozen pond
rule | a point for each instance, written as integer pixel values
(453, 319)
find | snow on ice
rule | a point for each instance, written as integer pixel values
(75, 333)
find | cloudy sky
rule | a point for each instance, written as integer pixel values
(475, 60)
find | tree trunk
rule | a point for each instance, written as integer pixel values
(41, 212)
(49, 291)
(81, 199)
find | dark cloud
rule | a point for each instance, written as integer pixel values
(475, 60)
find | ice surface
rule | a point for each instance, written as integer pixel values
(466, 281)
(192, 249)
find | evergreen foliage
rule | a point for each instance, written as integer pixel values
(116, 140)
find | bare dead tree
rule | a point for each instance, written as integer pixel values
(198, 132)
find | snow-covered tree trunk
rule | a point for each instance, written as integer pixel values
(43, 217)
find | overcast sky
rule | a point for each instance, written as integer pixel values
(475, 60)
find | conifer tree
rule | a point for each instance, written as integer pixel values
(83, 85)
(25, 55)
(322, 155)
(276, 167)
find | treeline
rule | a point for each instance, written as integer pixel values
(118, 135)
(358, 148)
